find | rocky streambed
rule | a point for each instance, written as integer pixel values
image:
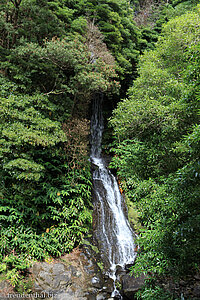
(73, 277)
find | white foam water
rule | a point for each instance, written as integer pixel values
(112, 228)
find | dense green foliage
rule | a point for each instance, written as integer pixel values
(152, 14)
(114, 19)
(55, 55)
(157, 149)
(47, 76)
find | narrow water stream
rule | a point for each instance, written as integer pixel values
(112, 230)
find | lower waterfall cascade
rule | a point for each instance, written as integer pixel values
(112, 230)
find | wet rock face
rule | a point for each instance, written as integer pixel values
(75, 278)
(130, 285)
(51, 278)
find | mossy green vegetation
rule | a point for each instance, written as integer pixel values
(133, 216)
(93, 248)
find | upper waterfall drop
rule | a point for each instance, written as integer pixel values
(112, 230)
(96, 126)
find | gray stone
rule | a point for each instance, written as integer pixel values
(78, 273)
(91, 297)
(68, 296)
(91, 291)
(56, 283)
(48, 282)
(80, 292)
(41, 286)
(47, 267)
(36, 268)
(70, 292)
(58, 269)
(197, 276)
(108, 284)
(37, 287)
(65, 296)
(96, 282)
(68, 281)
(46, 278)
(101, 297)
(196, 291)
(42, 267)
(73, 270)
(131, 285)
(89, 269)
(65, 277)
(64, 283)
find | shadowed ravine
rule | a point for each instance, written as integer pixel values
(112, 230)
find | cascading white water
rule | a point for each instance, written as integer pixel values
(112, 229)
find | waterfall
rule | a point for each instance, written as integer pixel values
(112, 230)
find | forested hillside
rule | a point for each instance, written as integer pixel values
(55, 56)
(48, 76)
(156, 150)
